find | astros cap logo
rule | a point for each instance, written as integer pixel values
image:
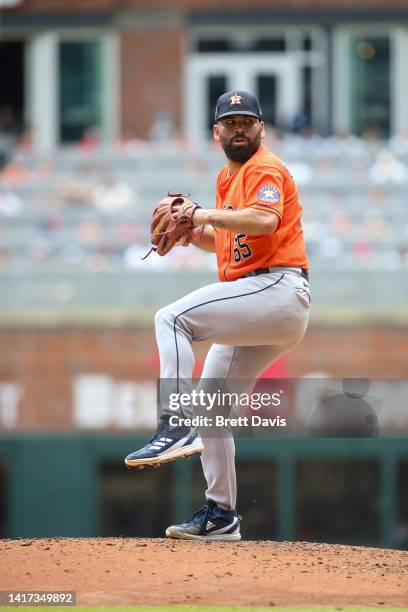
(236, 99)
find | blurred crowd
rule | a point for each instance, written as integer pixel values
(88, 206)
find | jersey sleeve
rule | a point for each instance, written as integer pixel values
(264, 190)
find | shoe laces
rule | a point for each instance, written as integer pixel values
(204, 510)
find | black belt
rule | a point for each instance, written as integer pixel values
(258, 271)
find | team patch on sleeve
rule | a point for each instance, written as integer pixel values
(269, 194)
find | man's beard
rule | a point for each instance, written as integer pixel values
(243, 153)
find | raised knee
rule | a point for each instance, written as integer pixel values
(164, 316)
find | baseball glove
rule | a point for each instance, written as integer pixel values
(171, 220)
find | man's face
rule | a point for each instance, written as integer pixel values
(240, 136)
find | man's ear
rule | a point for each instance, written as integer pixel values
(261, 123)
(216, 132)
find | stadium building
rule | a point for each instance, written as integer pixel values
(75, 65)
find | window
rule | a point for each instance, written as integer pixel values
(370, 84)
(277, 45)
(216, 86)
(80, 88)
(307, 42)
(286, 67)
(267, 92)
(12, 92)
(213, 45)
(238, 44)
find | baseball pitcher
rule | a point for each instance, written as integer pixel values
(257, 312)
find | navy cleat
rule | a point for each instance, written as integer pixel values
(209, 523)
(167, 444)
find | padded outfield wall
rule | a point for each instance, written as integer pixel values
(336, 491)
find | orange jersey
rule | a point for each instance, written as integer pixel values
(265, 183)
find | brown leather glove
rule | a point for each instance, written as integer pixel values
(171, 220)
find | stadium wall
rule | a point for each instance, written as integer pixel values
(76, 485)
(41, 369)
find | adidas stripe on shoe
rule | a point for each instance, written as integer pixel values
(167, 444)
(208, 523)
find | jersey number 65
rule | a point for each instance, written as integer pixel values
(242, 250)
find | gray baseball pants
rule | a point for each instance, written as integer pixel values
(252, 322)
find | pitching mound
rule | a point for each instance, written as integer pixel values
(116, 571)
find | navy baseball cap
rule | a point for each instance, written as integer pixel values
(237, 102)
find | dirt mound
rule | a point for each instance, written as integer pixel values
(125, 571)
